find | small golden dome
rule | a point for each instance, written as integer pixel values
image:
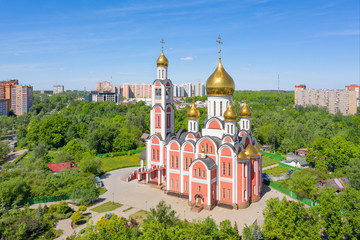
(193, 112)
(242, 156)
(162, 61)
(220, 83)
(258, 149)
(229, 114)
(245, 110)
(251, 151)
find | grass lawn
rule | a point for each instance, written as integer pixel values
(139, 216)
(268, 161)
(102, 191)
(284, 183)
(128, 209)
(84, 219)
(112, 163)
(109, 206)
(276, 171)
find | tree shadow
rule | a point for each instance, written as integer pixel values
(265, 189)
(104, 176)
(81, 222)
(87, 214)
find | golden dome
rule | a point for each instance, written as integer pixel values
(229, 114)
(220, 83)
(258, 149)
(245, 110)
(162, 61)
(251, 151)
(242, 156)
(193, 112)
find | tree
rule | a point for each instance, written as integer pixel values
(4, 150)
(163, 214)
(289, 220)
(90, 164)
(124, 141)
(74, 148)
(252, 232)
(84, 196)
(62, 207)
(353, 172)
(82, 208)
(302, 183)
(76, 216)
(14, 190)
(40, 150)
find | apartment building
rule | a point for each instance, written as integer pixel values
(4, 107)
(58, 89)
(356, 88)
(106, 96)
(104, 86)
(21, 99)
(335, 100)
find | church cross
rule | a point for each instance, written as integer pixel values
(220, 42)
(162, 45)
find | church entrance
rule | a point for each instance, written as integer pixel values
(199, 199)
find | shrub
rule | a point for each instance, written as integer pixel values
(62, 207)
(53, 208)
(82, 208)
(76, 216)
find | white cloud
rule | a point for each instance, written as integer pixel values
(186, 58)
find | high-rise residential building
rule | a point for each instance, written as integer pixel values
(136, 90)
(106, 96)
(21, 99)
(5, 88)
(335, 100)
(356, 88)
(4, 107)
(58, 89)
(104, 86)
(199, 89)
(187, 89)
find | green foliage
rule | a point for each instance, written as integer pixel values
(90, 164)
(76, 216)
(82, 208)
(4, 150)
(13, 190)
(252, 232)
(74, 148)
(40, 150)
(163, 214)
(62, 207)
(106, 207)
(353, 173)
(289, 220)
(85, 195)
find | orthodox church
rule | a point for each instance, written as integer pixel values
(219, 165)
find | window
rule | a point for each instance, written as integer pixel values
(229, 193)
(207, 148)
(177, 162)
(199, 188)
(177, 184)
(223, 192)
(162, 73)
(186, 163)
(227, 127)
(214, 108)
(172, 161)
(254, 190)
(223, 168)
(254, 167)
(158, 121)
(158, 94)
(245, 196)
(210, 149)
(229, 169)
(172, 183)
(232, 129)
(194, 172)
(153, 154)
(221, 109)
(245, 173)
(247, 124)
(203, 173)
(186, 186)
(168, 120)
(243, 122)
(199, 171)
(213, 192)
(157, 154)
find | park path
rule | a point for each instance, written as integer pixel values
(272, 166)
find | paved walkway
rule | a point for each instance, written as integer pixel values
(144, 197)
(272, 166)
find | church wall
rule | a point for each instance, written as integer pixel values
(174, 182)
(225, 187)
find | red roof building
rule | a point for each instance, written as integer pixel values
(57, 167)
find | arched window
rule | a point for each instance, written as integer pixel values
(177, 162)
(229, 193)
(186, 163)
(157, 154)
(243, 124)
(221, 113)
(199, 188)
(172, 183)
(232, 129)
(207, 148)
(211, 149)
(214, 108)
(223, 169)
(229, 170)
(177, 184)
(172, 161)
(158, 121)
(199, 171)
(247, 124)
(203, 173)
(223, 192)
(186, 186)
(153, 154)
(162, 73)
(194, 172)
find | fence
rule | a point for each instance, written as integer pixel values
(44, 199)
(120, 153)
(291, 194)
(287, 166)
(274, 155)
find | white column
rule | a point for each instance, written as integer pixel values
(208, 179)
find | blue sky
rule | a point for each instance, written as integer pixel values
(79, 43)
